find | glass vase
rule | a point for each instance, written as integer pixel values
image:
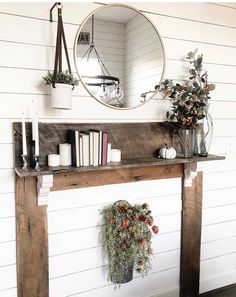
(184, 142)
(204, 133)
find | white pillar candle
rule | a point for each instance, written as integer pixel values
(54, 160)
(115, 155)
(33, 119)
(36, 135)
(24, 145)
(65, 154)
(108, 152)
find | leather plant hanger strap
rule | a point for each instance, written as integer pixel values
(58, 55)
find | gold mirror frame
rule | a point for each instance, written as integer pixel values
(75, 45)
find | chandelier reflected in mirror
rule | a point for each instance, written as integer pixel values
(108, 87)
(119, 56)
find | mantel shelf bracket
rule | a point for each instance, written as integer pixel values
(190, 172)
(44, 184)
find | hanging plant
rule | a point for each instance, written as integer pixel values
(62, 82)
(61, 78)
(128, 232)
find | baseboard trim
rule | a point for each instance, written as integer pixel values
(206, 285)
(168, 293)
(220, 280)
(224, 291)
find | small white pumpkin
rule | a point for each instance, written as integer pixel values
(167, 152)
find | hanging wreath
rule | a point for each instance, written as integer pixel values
(128, 232)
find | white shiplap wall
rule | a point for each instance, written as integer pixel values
(76, 265)
(143, 59)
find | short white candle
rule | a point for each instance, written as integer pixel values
(115, 155)
(36, 136)
(54, 160)
(108, 152)
(65, 154)
(24, 145)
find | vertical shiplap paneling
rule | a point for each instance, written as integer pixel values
(143, 57)
(25, 58)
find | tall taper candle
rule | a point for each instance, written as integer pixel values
(36, 136)
(24, 136)
(33, 119)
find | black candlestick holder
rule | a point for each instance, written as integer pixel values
(36, 162)
(25, 163)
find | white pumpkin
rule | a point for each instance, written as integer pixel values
(167, 152)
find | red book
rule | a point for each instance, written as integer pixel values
(104, 148)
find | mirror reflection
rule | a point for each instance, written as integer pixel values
(119, 56)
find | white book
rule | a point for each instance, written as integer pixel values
(100, 149)
(81, 159)
(95, 147)
(85, 137)
(91, 154)
(77, 148)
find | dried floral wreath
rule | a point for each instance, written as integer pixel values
(128, 231)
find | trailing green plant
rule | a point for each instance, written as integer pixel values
(128, 231)
(189, 99)
(63, 77)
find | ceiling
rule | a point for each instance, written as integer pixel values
(116, 14)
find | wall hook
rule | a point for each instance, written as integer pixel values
(54, 5)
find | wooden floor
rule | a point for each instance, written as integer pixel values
(229, 291)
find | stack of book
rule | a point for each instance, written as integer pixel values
(88, 148)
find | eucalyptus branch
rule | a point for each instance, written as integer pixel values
(189, 99)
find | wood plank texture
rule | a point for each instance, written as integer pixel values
(128, 163)
(191, 235)
(72, 180)
(32, 241)
(136, 140)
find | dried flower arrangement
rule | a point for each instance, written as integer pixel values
(128, 231)
(189, 99)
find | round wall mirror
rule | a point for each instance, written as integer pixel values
(119, 56)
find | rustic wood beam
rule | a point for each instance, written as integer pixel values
(191, 233)
(32, 240)
(74, 180)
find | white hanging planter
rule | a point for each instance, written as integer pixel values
(61, 96)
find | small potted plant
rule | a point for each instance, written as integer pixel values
(61, 88)
(128, 231)
(190, 103)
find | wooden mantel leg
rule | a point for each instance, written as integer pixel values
(31, 240)
(191, 231)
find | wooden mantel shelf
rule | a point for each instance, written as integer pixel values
(128, 163)
(138, 143)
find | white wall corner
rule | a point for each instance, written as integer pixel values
(44, 185)
(199, 166)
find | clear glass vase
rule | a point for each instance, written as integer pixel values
(184, 142)
(204, 133)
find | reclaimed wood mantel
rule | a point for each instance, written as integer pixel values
(138, 164)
